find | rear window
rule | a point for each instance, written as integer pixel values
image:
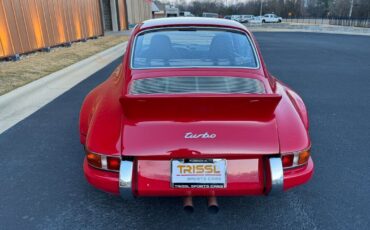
(191, 47)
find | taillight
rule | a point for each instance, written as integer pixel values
(291, 160)
(303, 157)
(113, 163)
(287, 160)
(94, 159)
(100, 161)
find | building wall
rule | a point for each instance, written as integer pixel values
(28, 25)
(138, 11)
(107, 14)
(123, 25)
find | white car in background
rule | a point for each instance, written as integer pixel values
(271, 18)
(235, 18)
(255, 20)
(186, 14)
(246, 18)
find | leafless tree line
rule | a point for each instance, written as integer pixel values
(284, 8)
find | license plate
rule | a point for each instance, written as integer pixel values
(198, 173)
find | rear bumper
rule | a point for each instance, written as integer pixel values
(152, 178)
(298, 176)
(102, 180)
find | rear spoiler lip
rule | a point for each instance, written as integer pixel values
(199, 106)
(199, 95)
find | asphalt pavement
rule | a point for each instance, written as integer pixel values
(42, 184)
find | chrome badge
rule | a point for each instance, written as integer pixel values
(206, 135)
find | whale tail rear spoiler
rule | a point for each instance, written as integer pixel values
(200, 107)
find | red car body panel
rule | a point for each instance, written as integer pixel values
(249, 137)
(115, 123)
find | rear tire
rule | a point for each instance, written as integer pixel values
(263, 21)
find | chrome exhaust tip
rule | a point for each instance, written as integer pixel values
(213, 205)
(188, 204)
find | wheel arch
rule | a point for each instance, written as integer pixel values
(101, 116)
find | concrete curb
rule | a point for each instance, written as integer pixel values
(23, 101)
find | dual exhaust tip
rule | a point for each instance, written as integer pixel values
(211, 203)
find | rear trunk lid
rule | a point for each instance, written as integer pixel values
(199, 125)
(169, 139)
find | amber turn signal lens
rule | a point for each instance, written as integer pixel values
(287, 160)
(113, 163)
(303, 157)
(94, 159)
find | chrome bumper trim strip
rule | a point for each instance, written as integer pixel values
(277, 175)
(125, 179)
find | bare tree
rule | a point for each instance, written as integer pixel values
(284, 8)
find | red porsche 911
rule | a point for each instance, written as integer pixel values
(193, 111)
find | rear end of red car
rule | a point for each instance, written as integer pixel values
(201, 144)
(200, 118)
(204, 145)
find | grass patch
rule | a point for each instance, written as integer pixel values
(39, 64)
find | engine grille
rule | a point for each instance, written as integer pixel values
(181, 85)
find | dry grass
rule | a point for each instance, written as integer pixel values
(36, 65)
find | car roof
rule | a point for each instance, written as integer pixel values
(196, 21)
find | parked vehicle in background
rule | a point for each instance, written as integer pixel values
(209, 15)
(227, 17)
(172, 11)
(254, 20)
(245, 18)
(186, 14)
(235, 18)
(271, 18)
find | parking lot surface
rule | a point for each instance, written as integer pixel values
(42, 184)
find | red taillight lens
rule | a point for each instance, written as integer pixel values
(287, 160)
(94, 159)
(113, 163)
